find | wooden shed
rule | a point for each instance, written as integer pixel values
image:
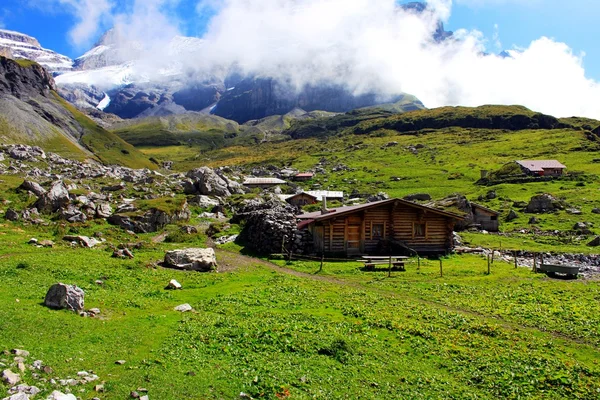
(485, 217)
(299, 199)
(360, 229)
(542, 167)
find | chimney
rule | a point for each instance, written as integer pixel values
(324, 206)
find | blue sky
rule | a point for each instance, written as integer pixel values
(518, 21)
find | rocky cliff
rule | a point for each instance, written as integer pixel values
(20, 46)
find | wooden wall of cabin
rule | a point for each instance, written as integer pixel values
(397, 223)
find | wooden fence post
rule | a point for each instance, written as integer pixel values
(534, 262)
(441, 271)
(418, 263)
(516, 261)
(493, 255)
(488, 260)
(322, 260)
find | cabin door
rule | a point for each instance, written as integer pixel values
(353, 239)
(318, 239)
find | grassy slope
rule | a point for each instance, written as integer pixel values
(449, 162)
(107, 146)
(415, 335)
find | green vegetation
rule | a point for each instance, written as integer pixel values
(108, 147)
(168, 205)
(277, 333)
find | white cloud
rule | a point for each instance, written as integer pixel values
(367, 45)
(378, 47)
(91, 15)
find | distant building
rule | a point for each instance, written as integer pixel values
(331, 195)
(299, 199)
(263, 183)
(304, 176)
(485, 217)
(542, 167)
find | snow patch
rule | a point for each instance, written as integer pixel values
(103, 103)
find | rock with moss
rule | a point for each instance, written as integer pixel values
(151, 215)
(54, 199)
(543, 203)
(61, 296)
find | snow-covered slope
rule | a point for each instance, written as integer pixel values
(20, 46)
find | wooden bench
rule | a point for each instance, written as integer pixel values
(552, 270)
(396, 262)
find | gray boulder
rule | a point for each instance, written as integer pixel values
(24, 152)
(203, 201)
(512, 215)
(32, 187)
(457, 202)
(378, 197)
(194, 259)
(543, 203)
(418, 197)
(10, 377)
(582, 228)
(103, 210)
(63, 296)
(11, 215)
(53, 200)
(207, 182)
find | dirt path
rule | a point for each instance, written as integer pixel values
(233, 260)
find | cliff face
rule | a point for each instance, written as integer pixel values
(257, 98)
(24, 79)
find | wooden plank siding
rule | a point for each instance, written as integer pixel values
(392, 222)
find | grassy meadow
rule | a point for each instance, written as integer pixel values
(282, 330)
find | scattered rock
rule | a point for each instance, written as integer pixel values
(10, 377)
(120, 362)
(595, 242)
(378, 197)
(512, 215)
(46, 243)
(94, 311)
(203, 201)
(574, 211)
(173, 284)
(11, 215)
(53, 200)
(103, 210)
(84, 241)
(18, 396)
(533, 220)
(61, 296)
(123, 253)
(99, 388)
(183, 308)
(491, 195)
(32, 187)
(596, 211)
(459, 202)
(226, 239)
(188, 230)
(582, 228)
(56, 395)
(543, 203)
(418, 197)
(191, 259)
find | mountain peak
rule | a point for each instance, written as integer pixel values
(18, 46)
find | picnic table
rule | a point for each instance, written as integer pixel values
(391, 261)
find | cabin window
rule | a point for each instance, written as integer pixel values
(419, 230)
(377, 231)
(494, 217)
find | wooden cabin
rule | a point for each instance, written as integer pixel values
(542, 167)
(354, 230)
(484, 217)
(299, 199)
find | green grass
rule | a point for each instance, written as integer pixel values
(108, 147)
(25, 63)
(340, 333)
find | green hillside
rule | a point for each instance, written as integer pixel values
(441, 162)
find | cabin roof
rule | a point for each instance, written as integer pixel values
(485, 208)
(540, 165)
(285, 197)
(340, 211)
(319, 194)
(304, 175)
(263, 181)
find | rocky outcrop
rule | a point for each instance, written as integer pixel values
(61, 296)
(194, 259)
(267, 225)
(24, 81)
(418, 197)
(32, 187)
(54, 199)
(151, 220)
(456, 203)
(206, 181)
(20, 46)
(543, 203)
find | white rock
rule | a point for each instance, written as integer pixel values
(184, 308)
(56, 395)
(173, 284)
(194, 259)
(10, 377)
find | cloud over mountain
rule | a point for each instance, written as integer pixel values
(369, 46)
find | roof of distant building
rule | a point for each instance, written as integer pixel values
(263, 181)
(319, 194)
(540, 165)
